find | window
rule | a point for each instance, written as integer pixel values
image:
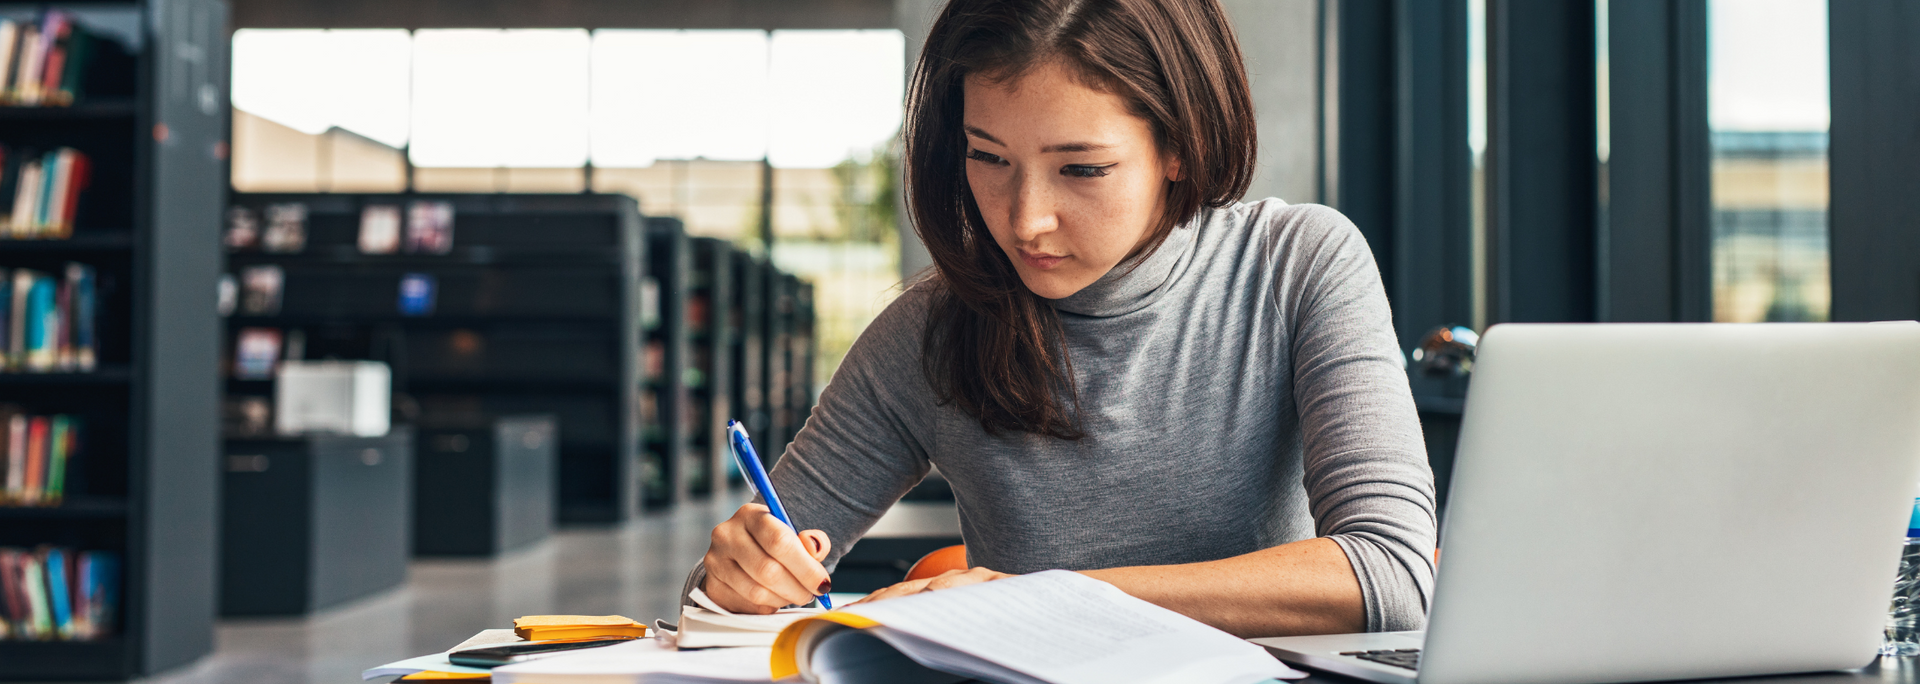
(1767, 103)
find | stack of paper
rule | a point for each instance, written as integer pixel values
(643, 662)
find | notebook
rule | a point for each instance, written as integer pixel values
(707, 625)
(1054, 627)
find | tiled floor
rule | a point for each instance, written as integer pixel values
(635, 570)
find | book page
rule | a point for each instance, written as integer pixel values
(636, 659)
(1064, 627)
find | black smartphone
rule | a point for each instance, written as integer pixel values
(495, 656)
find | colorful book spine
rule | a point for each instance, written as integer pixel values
(59, 446)
(37, 428)
(43, 320)
(44, 189)
(102, 590)
(59, 592)
(39, 612)
(85, 307)
(16, 458)
(39, 457)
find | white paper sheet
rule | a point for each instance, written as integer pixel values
(644, 661)
(438, 662)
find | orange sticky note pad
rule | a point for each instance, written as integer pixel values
(547, 627)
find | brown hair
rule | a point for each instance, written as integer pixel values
(992, 346)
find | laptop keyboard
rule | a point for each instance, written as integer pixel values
(1408, 658)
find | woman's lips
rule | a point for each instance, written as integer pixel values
(1043, 262)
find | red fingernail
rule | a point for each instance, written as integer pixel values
(826, 585)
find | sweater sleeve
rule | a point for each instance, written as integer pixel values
(1368, 482)
(858, 452)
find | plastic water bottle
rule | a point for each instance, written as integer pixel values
(1903, 620)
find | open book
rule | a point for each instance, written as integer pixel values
(1054, 627)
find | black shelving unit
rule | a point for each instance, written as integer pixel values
(746, 349)
(710, 327)
(154, 125)
(665, 392)
(536, 311)
(789, 358)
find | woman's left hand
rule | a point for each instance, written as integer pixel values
(947, 580)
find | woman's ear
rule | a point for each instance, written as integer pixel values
(1174, 172)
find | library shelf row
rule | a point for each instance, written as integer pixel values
(99, 108)
(79, 508)
(102, 375)
(479, 255)
(81, 241)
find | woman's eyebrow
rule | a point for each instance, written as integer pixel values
(1075, 147)
(983, 135)
(1060, 147)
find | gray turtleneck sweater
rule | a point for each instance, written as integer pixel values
(1240, 389)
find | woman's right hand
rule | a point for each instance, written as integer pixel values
(757, 565)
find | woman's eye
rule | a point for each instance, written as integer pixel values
(979, 156)
(1080, 171)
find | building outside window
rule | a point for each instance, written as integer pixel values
(1768, 109)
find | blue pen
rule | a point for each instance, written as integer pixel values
(749, 461)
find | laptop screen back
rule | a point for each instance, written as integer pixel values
(1648, 502)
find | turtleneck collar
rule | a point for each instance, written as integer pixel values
(1137, 282)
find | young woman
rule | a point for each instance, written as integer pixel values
(1121, 370)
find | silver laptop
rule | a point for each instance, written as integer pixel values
(1649, 502)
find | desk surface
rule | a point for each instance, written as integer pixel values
(1885, 671)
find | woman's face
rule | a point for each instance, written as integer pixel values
(1069, 181)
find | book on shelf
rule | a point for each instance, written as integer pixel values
(429, 227)
(44, 63)
(47, 322)
(286, 228)
(243, 229)
(54, 593)
(256, 353)
(44, 188)
(227, 298)
(260, 290)
(379, 229)
(417, 294)
(40, 450)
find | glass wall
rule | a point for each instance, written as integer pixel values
(1767, 100)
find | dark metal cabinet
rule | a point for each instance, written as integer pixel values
(485, 491)
(313, 522)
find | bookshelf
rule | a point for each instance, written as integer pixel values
(711, 331)
(153, 124)
(665, 394)
(788, 352)
(747, 311)
(536, 311)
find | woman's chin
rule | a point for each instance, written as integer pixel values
(1055, 285)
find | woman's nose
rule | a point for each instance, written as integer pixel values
(1032, 209)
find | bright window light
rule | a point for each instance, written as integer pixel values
(665, 94)
(1768, 65)
(492, 98)
(312, 80)
(835, 94)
